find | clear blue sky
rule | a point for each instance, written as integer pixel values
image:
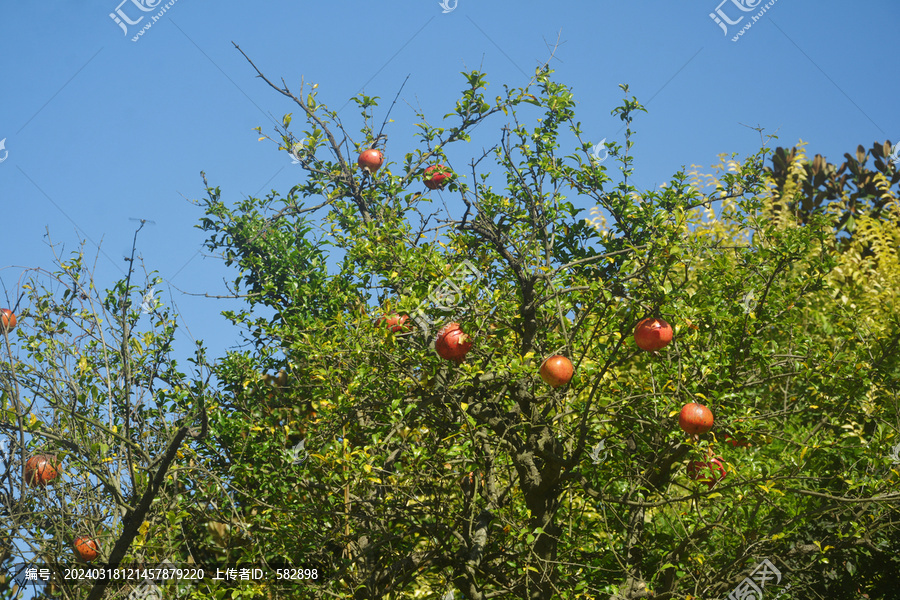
(100, 129)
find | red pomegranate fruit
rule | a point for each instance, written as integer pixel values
(452, 343)
(652, 334)
(695, 418)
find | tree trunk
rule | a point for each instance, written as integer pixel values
(540, 484)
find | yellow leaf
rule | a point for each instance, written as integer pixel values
(463, 406)
(261, 139)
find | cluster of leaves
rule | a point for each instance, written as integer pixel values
(806, 187)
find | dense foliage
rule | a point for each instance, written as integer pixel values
(338, 443)
(424, 476)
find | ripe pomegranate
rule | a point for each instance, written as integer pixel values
(370, 160)
(709, 473)
(436, 176)
(86, 549)
(695, 418)
(557, 370)
(396, 322)
(452, 343)
(735, 442)
(7, 320)
(40, 470)
(652, 334)
(467, 483)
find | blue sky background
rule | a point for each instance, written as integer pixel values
(100, 129)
